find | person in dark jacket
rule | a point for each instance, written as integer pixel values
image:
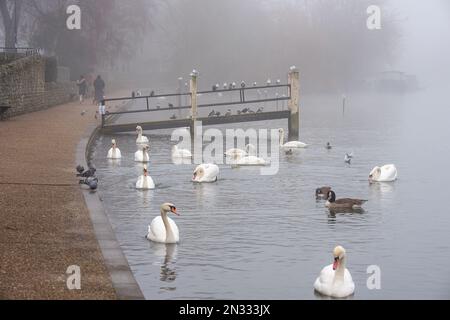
(82, 88)
(99, 88)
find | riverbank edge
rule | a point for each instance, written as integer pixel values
(124, 283)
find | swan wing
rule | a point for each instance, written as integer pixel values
(157, 230)
(324, 283)
(295, 144)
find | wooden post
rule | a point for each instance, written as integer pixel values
(193, 84)
(293, 104)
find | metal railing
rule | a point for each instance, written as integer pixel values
(242, 99)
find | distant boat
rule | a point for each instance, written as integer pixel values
(392, 81)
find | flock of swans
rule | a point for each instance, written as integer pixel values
(334, 280)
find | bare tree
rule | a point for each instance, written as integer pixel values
(10, 12)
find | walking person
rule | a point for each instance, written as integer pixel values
(99, 88)
(82, 88)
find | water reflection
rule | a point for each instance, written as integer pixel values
(166, 255)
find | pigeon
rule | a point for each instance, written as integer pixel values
(239, 112)
(88, 173)
(228, 113)
(83, 112)
(80, 168)
(328, 146)
(217, 114)
(212, 113)
(242, 84)
(92, 182)
(173, 117)
(152, 93)
(157, 107)
(245, 110)
(260, 110)
(250, 111)
(170, 105)
(289, 151)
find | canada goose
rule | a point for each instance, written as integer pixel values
(344, 203)
(322, 192)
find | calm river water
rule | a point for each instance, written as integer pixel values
(250, 236)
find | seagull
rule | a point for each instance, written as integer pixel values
(348, 157)
(212, 113)
(88, 173)
(260, 110)
(328, 146)
(173, 117)
(242, 84)
(250, 111)
(228, 113)
(217, 114)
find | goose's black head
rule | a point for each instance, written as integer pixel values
(331, 196)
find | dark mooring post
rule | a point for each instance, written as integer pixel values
(293, 104)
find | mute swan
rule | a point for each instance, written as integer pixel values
(205, 172)
(290, 144)
(250, 159)
(235, 153)
(180, 153)
(344, 203)
(114, 152)
(142, 155)
(163, 229)
(140, 137)
(335, 280)
(145, 181)
(322, 192)
(385, 173)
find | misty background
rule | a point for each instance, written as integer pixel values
(153, 42)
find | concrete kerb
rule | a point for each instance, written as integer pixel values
(122, 278)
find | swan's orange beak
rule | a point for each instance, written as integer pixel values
(174, 210)
(335, 263)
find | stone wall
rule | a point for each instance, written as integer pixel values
(23, 87)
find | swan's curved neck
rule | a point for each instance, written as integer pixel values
(281, 138)
(340, 270)
(169, 232)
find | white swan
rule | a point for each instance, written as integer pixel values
(114, 152)
(335, 280)
(290, 144)
(235, 153)
(205, 172)
(385, 173)
(180, 153)
(142, 155)
(251, 159)
(140, 137)
(145, 182)
(163, 229)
